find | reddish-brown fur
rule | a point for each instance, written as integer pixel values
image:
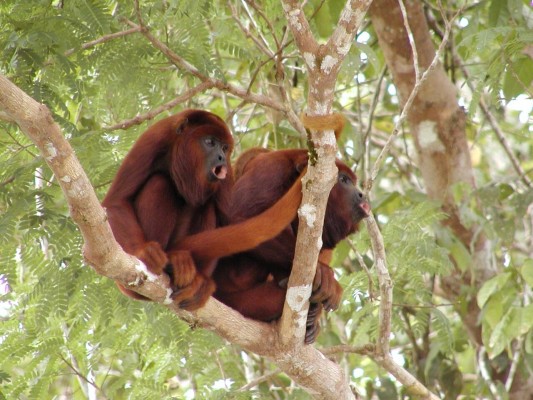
(168, 187)
(254, 282)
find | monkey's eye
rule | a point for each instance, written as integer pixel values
(225, 148)
(210, 142)
(344, 179)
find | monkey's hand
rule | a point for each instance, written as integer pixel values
(191, 290)
(326, 289)
(153, 256)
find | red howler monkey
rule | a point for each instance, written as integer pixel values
(173, 182)
(254, 282)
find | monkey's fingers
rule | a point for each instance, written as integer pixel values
(329, 292)
(153, 256)
(181, 268)
(196, 294)
(317, 281)
(313, 323)
(332, 302)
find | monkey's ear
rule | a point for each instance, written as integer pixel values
(182, 125)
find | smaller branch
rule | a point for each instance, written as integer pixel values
(411, 384)
(139, 119)
(484, 370)
(257, 28)
(411, 38)
(350, 20)
(364, 350)
(9, 180)
(21, 147)
(385, 287)
(410, 334)
(517, 345)
(373, 107)
(259, 380)
(320, 177)
(103, 39)
(81, 376)
(382, 354)
(301, 30)
(367, 271)
(295, 121)
(517, 352)
(267, 21)
(173, 57)
(505, 144)
(262, 45)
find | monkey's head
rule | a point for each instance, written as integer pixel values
(347, 206)
(200, 163)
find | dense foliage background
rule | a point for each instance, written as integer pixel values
(66, 332)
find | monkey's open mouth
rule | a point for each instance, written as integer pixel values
(365, 207)
(362, 211)
(220, 171)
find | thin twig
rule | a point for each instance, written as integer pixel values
(361, 261)
(365, 350)
(484, 370)
(259, 380)
(373, 107)
(81, 376)
(262, 45)
(257, 28)
(517, 345)
(103, 39)
(411, 38)
(267, 21)
(504, 143)
(139, 119)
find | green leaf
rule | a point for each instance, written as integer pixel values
(526, 319)
(496, 9)
(514, 323)
(323, 20)
(490, 287)
(460, 254)
(518, 78)
(526, 271)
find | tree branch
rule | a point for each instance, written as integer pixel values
(382, 355)
(139, 119)
(321, 176)
(103, 39)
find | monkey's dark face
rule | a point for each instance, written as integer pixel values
(347, 206)
(199, 162)
(347, 190)
(216, 154)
